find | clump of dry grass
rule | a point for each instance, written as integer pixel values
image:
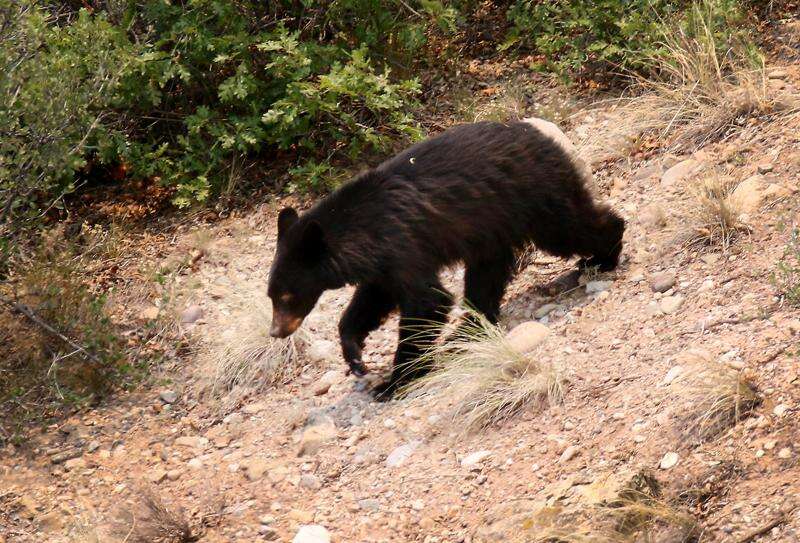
(246, 359)
(151, 520)
(632, 519)
(483, 378)
(704, 87)
(714, 215)
(718, 394)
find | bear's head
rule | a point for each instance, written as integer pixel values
(297, 277)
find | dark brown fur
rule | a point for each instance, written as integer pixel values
(476, 193)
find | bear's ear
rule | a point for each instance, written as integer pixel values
(286, 218)
(313, 241)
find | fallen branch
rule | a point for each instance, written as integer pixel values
(34, 318)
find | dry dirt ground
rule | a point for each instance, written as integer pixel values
(317, 451)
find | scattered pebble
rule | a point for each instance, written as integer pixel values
(671, 304)
(785, 453)
(191, 314)
(168, 396)
(569, 453)
(595, 287)
(662, 282)
(475, 458)
(672, 374)
(398, 456)
(669, 460)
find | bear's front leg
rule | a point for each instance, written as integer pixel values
(421, 320)
(371, 304)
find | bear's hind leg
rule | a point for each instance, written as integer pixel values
(423, 312)
(370, 305)
(485, 283)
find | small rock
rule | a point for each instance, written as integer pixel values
(389, 423)
(191, 314)
(777, 74)
(310, 482)
(569, 453)
(315, 437)
(324, 383)
(156, 476)
(369, 504)
(168, 396)
(785, 453)
(74, 463)
(748, 195)
(418, 505)
(780, 409)
(662, 282)
(759, 453)
(526, 336)
(595, 287)
(398, 456)
(266, 519)
(669, 461)
(174, 474)
(301, 516)
(653, 309)
(255, 468)
(149, 313)
(475, 458)
(671, 304)
(672, 374)
(769, 445)
(93, 446)
(680, 171)
(653, 216)
(194, 442)
(765, 168)
(321, 350)
(544, 310)
(62, 457)
(312, 534)
(195, 463)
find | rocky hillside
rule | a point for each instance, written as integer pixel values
(677, 420)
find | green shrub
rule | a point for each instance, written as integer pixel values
(787, 276)
(45, 300)
(56, 91)
(247, 79)
(607, 37)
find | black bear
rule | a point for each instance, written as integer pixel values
(476, 193)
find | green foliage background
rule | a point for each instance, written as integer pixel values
(187, 92)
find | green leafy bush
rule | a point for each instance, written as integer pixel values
(57, 86)
(595, 39)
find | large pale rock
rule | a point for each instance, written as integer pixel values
(313, 533)
(255, 468)
(526, 336)
(680, 171)
(553, 132)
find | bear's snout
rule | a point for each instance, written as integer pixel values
(284, 326)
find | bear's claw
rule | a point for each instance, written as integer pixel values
(357, 368)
